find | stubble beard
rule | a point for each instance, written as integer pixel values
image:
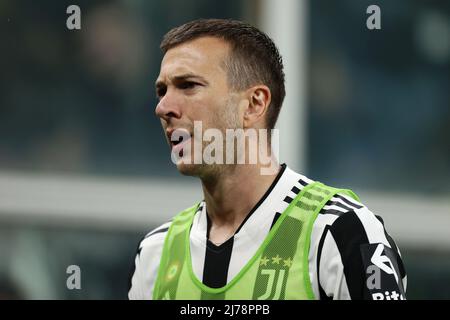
(226, 118)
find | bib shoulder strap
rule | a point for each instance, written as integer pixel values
(173, 248)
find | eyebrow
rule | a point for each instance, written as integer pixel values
(180, 78)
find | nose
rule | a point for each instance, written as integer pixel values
(168, 107)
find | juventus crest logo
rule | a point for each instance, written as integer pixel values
(271, 280)
(275, 281)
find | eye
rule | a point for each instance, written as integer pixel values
(160, 92)
(187, 85)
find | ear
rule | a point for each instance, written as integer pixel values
(259, 98)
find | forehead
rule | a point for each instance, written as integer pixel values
(203, 56)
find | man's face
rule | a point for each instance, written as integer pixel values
(193, 86)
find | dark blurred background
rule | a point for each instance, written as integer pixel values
(84, 167)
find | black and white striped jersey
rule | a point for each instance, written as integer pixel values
(351, 256)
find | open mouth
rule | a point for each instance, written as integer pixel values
(178, 139)
(175, 143)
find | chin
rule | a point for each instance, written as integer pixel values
(193, 170)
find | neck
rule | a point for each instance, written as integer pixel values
(232, 193)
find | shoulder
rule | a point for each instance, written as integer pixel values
(155, 237)
(351, 223)
(146, 263)
(346, 236)
(151, 246)
(148, 258)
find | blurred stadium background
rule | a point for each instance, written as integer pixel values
(85, 172)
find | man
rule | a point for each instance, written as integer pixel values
(272, 235)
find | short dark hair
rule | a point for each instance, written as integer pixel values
(254, 58)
